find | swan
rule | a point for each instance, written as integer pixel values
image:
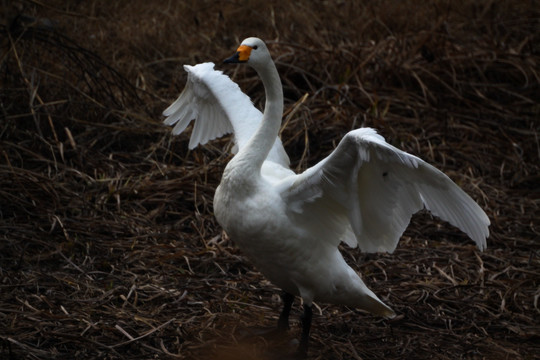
(290, 225)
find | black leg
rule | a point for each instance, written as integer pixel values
(283, 322)
(306, 326)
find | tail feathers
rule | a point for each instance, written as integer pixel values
(376, 307)
(366, 299)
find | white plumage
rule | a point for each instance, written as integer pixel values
(290, 225)
(223, 108)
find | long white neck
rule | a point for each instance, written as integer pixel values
(260, 144)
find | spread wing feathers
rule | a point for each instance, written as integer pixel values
(218, 107)
(372, 189)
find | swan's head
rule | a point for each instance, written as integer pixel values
(252, 51)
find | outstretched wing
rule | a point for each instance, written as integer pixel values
(197, 101)
(218, 107)
(371, 190)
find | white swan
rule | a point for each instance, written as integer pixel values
(364, 193)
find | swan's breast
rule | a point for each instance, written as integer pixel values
(248, 211)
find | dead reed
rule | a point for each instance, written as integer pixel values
(108, 245)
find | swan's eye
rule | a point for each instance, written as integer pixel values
(255, 47)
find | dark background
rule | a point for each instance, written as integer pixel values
(108, 245)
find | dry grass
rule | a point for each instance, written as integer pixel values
(109, 248)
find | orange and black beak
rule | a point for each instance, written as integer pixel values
(242, 55)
